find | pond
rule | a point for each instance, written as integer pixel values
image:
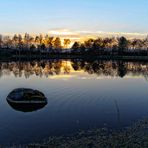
(80, 94)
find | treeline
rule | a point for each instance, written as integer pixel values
(40, 44)
(112, 46)
(33, 43)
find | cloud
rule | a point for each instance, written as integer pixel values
(81, 34)
(61, 32)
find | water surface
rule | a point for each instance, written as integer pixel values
(81, 95)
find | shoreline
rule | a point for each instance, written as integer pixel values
(83, 57)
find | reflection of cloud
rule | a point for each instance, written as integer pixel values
(61, 76)
(80, 35)
(133, 76)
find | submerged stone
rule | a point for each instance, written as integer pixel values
(26, 100)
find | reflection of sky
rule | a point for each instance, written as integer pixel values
(75, 104)
(97, 15)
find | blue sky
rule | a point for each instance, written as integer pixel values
(41, 16)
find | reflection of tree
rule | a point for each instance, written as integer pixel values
(111, 68)
(122, 69)
(66, 68)
(57, 67)
(77, 64)
(95, 67)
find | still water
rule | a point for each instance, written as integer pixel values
(81, 95)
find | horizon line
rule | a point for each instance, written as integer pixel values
(80, 34)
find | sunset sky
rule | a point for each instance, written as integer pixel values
(73, 17)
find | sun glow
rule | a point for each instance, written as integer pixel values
(82, 35)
